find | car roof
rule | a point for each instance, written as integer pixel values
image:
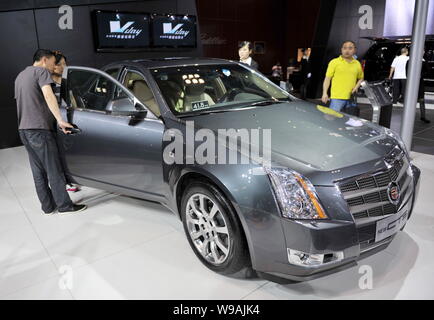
(173, 62)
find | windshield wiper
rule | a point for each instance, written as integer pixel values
(249, 106)
(266, 102)
(211, 111)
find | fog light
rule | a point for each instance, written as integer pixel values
(304, 259)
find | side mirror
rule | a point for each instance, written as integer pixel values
(126, 107)
(139, 114)
(139, 106)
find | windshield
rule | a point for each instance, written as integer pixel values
(213, 88)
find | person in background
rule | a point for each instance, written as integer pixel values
(306, 74)
(292, 67)
(37, 111)
(245, 50)
(60, 65)
(399, 73)
(421, 93)
(276, 73)
(345, 75)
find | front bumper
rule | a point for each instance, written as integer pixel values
(355, 240)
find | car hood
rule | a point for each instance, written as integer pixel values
(314, 136)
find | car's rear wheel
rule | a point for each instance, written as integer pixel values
(213, 229)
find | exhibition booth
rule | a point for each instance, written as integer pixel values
(184, 152)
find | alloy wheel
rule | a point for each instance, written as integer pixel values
(207, 228)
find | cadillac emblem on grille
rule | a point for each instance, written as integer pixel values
(393, 193)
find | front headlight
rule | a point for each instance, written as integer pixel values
(296, 195)
(396, 136)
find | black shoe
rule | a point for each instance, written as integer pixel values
(75, 208)
(425, 120)
(50, 213)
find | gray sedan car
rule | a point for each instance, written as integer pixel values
(326, 189)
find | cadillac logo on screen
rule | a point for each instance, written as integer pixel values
(127, 31)
(393, 193)
(170, 32)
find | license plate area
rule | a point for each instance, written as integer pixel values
(390, 225)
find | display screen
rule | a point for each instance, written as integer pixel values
(174, 31)
(121, 30)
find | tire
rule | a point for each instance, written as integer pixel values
(222, 229)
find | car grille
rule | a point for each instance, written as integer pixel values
(367, 195)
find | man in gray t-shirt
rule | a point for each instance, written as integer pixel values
(38, 111)
(33, 111)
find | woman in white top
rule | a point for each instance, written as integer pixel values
(245, 50)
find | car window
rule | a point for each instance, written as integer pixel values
(113, 72)
(137, 84)
(91, 90)
(195, 88)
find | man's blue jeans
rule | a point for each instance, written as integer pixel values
(47, 169)
(338, 104)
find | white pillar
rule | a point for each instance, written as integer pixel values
(414, 71)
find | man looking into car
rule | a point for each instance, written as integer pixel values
(38, 111)
(345, 75)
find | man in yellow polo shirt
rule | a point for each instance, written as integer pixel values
(345, 75)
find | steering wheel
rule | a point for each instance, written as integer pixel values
(229, 95)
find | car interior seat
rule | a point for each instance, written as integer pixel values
(142, 91)
(173, 94)
(195, 92)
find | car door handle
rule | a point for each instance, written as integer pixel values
(73, 130)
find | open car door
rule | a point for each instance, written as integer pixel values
(118, 142)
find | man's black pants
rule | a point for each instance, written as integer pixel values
(47, 170)
(398, 89)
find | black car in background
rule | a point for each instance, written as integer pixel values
(379, 58)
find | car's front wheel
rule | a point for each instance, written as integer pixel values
(213, 229)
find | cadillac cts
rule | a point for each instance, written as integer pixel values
(338, 188)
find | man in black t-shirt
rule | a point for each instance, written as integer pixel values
(421, 93)
(306, 74)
